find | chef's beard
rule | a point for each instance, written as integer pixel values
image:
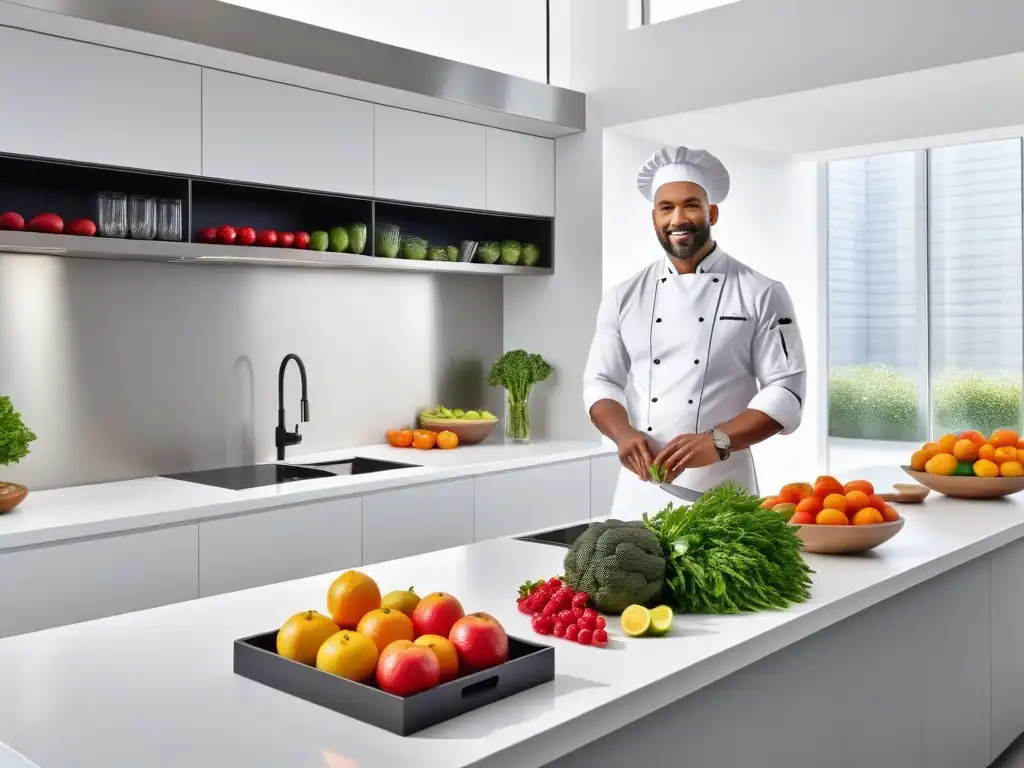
(701, 235)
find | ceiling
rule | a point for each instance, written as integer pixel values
(962, 98)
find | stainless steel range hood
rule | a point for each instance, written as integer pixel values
(224, 36)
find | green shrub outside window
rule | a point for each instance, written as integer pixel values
(968, 400)
(872, 402)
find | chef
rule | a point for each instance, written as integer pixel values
(695, 358)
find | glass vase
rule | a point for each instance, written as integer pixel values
(517, 421)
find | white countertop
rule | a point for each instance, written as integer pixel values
(156, 688)
(90, 510)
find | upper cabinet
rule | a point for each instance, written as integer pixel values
(425, 159)
(269, 133)
(77, 101)
(520, 173)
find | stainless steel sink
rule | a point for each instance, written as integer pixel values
(259, 475)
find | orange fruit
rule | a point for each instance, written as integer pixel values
(830, 516)
(867, 516)
(301, 636)
(770, 502)
(399, 438)
(987, 452)
(1012, 469)
(1005, 453)
(424, 439)
(1004, 437)
(803, 490)
(946, 443)
(859, 485)
(348, 654)
(890, 515)
(986, 468)
(974, 436)
(352, 595)
(919, 459)
(789, 495)
(447, 440)
(810, 506)
(856, 500)
(877, 502)
(826, 485)
(1020, 455)
(1020, 443)
(445, 652)
(965, 450)
(834, 501)
(932, 448)
(384, 626)
(940, 464)
(802, 518)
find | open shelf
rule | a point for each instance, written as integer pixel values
(31, 186)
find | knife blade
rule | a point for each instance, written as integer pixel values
(680, 492)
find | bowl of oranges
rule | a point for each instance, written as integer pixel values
(971, 466)
(836, 518)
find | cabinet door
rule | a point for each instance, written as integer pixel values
(76, 101)
(1007, 630)
(410, 521)
(510, 503)
(604, 476)
(520, 173)
(270, 133)
(427, 159)
(261, 548)
(93, 578)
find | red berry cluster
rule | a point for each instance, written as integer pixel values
(558, 611)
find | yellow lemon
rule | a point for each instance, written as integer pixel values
(986, 468)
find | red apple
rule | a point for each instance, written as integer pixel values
(50, 223)
(246, 236)
(227, 235)
(405, 671)
(480, 641)
(436, 614)
(81, 227)
(13, 221)
(208, 235)
(302, 240)
(267, 238)
(285, 239)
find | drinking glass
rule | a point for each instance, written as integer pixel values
(142, 217)
(112, 215)
(169, 220)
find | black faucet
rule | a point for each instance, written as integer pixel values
(282, 437)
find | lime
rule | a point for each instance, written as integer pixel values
(661, 620)
(635, 621)
(964, 469)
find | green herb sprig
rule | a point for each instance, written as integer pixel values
(728, 555)
(659, 474)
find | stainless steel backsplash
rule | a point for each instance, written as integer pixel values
(131, 369)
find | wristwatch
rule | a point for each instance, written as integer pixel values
(722, 442)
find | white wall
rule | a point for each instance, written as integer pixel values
(508, 37)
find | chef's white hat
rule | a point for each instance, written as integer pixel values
(683, 164)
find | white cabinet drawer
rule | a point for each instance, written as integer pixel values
(520, 173)
(427, 159)
(511, 503)
(260, 548)
(270, 133)
(604, 476)
(94, 578)
(410, 521)
(76, 101)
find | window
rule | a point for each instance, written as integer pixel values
(925, 319)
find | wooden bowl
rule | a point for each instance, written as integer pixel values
(961, 487)
(846, 539)
(469, 431)
(11, 495)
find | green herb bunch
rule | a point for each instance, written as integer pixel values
(727, 555)
(517, 371)
(14, 435)
(659, 474)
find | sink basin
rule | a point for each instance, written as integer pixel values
(259, 475)
(557, 537)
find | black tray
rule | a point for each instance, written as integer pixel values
(528, 664)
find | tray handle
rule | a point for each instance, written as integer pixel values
(480, 686)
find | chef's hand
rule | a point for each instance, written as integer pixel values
(635, 454)
(687, 452)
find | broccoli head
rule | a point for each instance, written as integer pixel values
(517, 371)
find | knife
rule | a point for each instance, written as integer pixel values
(680, 492)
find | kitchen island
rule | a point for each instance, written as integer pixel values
(907, 656)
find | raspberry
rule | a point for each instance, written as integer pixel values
(555, 583)
(535, 602)
(572, 632)
(523, 607)
(579, 600)
(586, 623)
(545, 590)
(549, 610)
(590, 613)
(577, 613)
(600, 638)
(564, 597)
(584, 637)
(566, 617)
(600, 623)
(542, 625)
(560, 629)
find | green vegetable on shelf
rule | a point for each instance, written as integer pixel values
(726, 554)
(436, 253)
(318, 241)
(488, 252)
(414, 248)
(531, 255)
(618, 564)
(337, 239)
(356, 236)
(452, 253)
(517, 371)
(389, 241)
(511, 250)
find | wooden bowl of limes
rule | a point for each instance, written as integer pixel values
(471, 427)
(968, 486)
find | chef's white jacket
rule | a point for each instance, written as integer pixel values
(684, 353)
